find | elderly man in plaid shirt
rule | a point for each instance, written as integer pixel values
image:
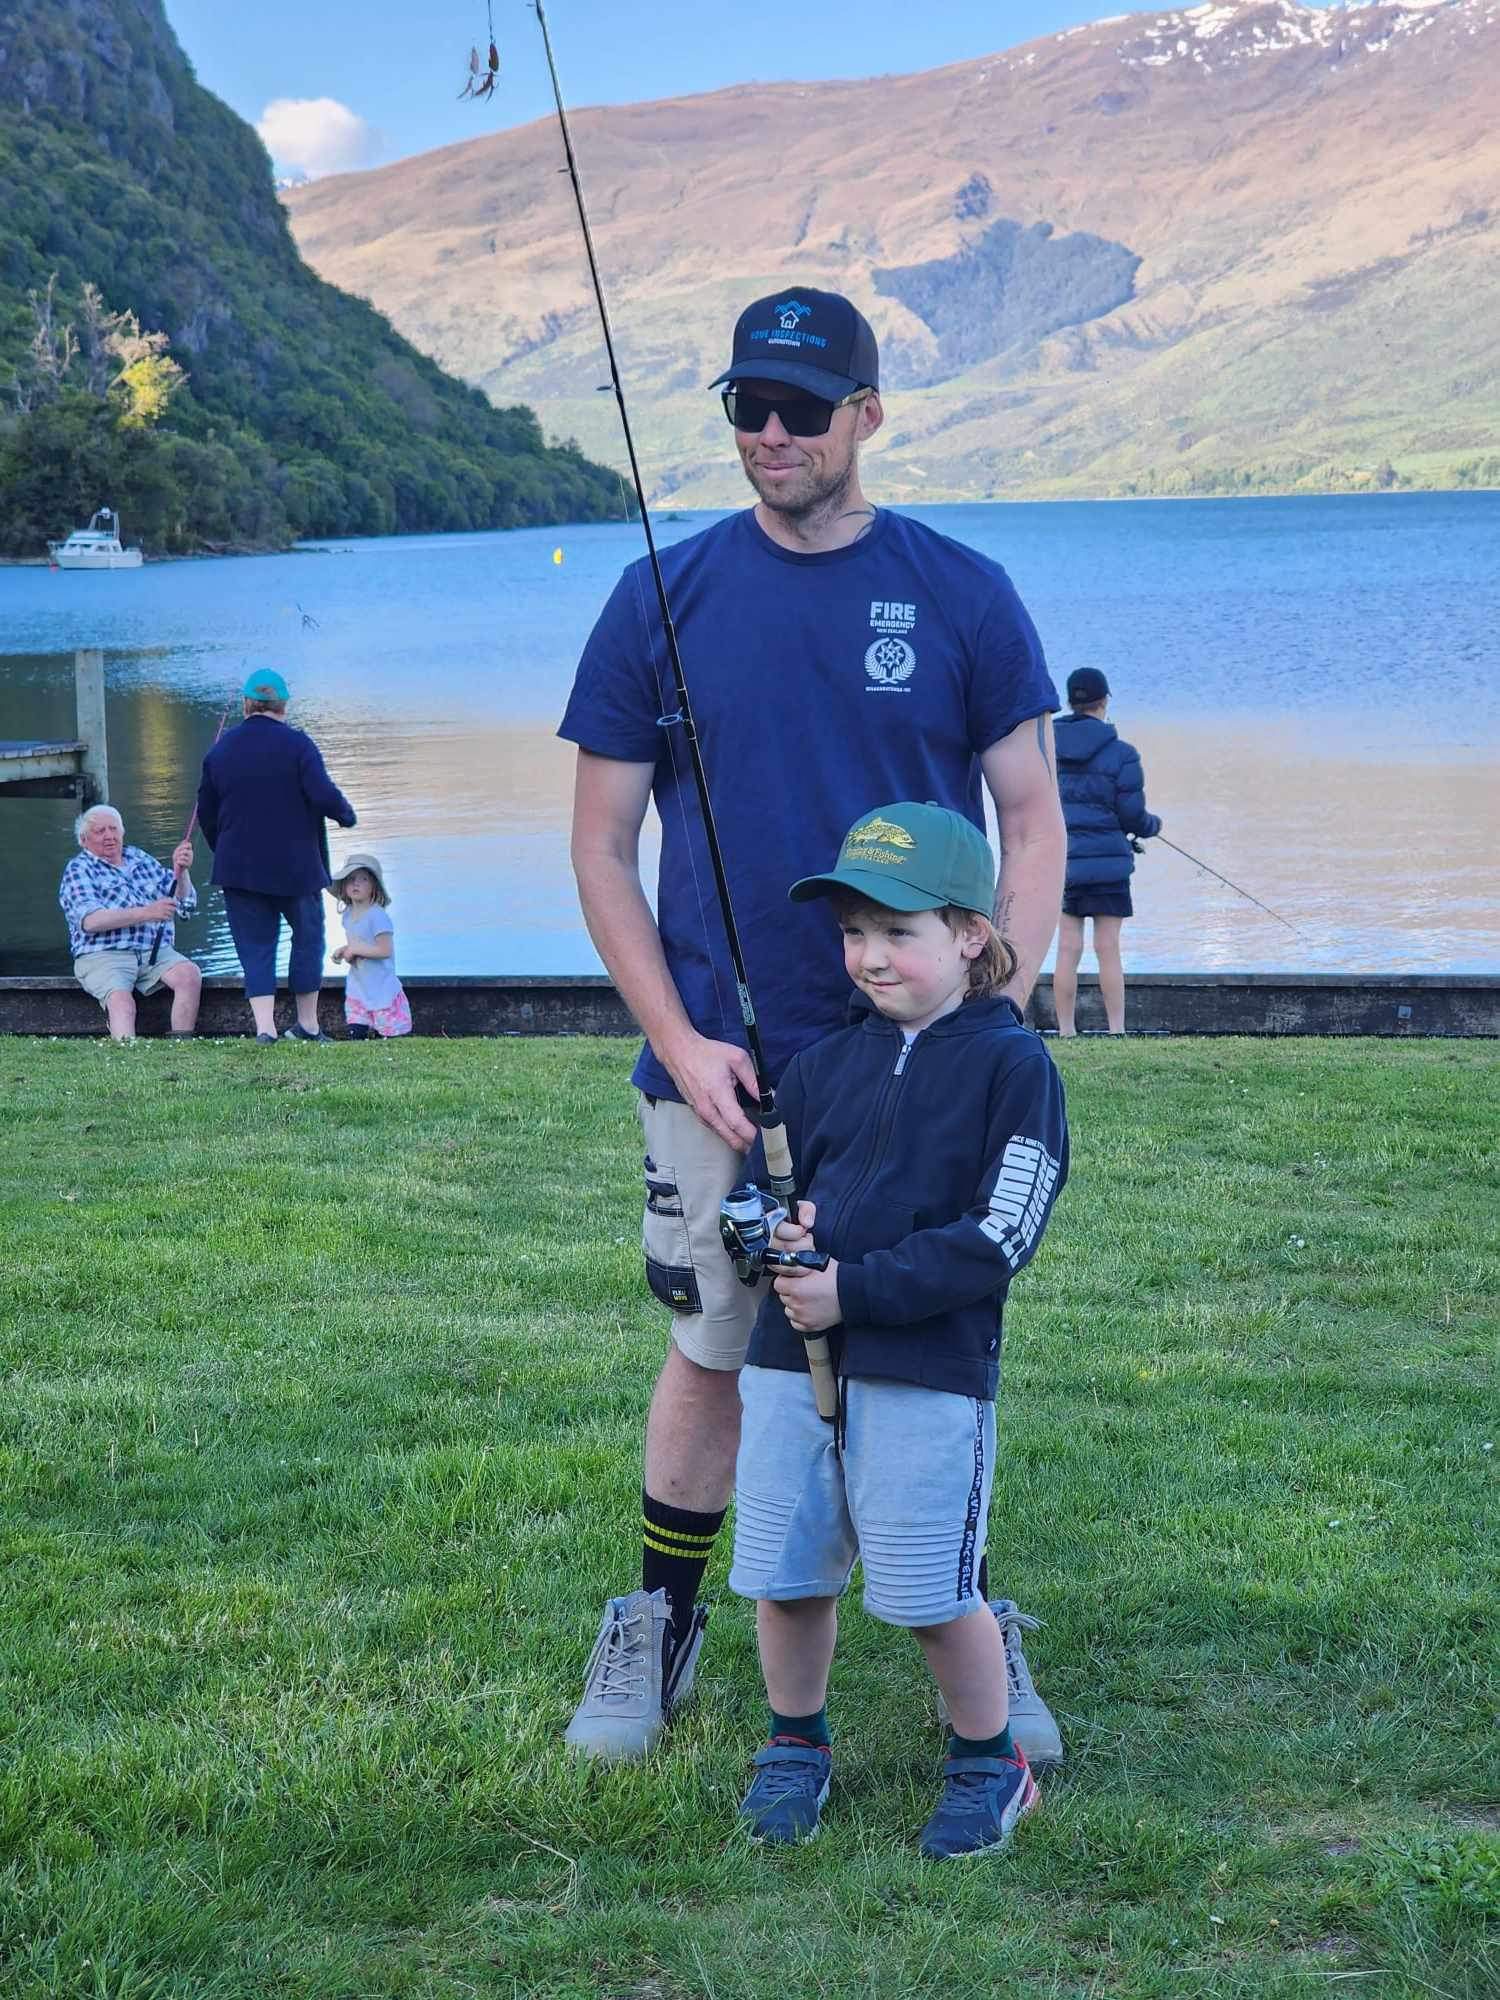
(119, 902)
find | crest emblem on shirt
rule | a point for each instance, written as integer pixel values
(889, 662)
(890, 659)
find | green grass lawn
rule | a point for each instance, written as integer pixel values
(324, 1373)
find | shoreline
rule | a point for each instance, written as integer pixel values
(663, 513)
(1390, 1006)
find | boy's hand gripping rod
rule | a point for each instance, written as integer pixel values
(765, 1111)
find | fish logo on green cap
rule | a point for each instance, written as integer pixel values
(910, 857)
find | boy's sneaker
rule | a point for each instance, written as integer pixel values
(635, 1678)
(984, 1798)
(787, 1793)
(1033, 1726)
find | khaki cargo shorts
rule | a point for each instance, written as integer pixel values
(688, 1173)
(104, 972)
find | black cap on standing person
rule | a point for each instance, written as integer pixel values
(1086, 685)
(811, 340)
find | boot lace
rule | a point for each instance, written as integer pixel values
(621, 1670)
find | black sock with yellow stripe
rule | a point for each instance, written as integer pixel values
(677, 1546)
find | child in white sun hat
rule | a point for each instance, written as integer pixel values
(375, 1002)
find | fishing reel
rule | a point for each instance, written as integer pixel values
(747, 1223)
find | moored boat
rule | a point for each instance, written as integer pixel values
(97, 546)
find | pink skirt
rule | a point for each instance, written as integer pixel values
(392, 1020)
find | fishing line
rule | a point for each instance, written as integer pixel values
(681, 718)
(1227, 883)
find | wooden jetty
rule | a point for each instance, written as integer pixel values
(78, 769)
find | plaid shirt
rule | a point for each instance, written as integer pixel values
(91, 884)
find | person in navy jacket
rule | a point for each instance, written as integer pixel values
(262, 802)
(931, 1137)
(1103, 792)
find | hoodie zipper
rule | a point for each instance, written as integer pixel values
(885, 1113)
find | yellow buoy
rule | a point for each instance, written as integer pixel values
(557, 555)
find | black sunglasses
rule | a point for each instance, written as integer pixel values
(802, 416)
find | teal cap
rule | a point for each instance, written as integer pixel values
(265, 684)
(910, 857)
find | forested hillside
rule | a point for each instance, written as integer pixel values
(164, 349)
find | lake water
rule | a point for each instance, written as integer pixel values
(1314, 685)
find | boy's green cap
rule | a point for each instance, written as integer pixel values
(910, 857)
(265, 684)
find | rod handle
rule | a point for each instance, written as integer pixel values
(778, 1150)
(820, 1363)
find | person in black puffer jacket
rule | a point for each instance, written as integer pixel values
(1103, 794)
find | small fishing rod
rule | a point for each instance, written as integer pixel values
(161, 929)
(765, 1112)
(1227, 883)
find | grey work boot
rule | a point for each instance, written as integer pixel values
(635, 1679)
(1033, 1727)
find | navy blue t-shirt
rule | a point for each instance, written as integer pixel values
(821, 685)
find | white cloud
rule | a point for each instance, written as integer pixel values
(316, 135)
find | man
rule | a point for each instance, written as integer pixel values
(120, 902)
(262, 802)
(834, 654)
(1103, 797)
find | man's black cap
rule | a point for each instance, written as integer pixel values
(810, 340)
(1086, 685)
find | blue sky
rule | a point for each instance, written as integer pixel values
(372, 80)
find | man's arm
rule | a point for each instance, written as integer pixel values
(1021, 774)
(319, 789)
(609, 806)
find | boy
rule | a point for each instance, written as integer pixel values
(931, 1138)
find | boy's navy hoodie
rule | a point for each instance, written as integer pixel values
(1103, 795)
(934, 1168)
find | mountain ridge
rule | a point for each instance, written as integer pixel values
(1306, 196)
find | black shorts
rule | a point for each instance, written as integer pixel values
(1104, 901)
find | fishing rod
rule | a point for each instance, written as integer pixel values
(746, 1239)
(161, 929)
(1227, 883)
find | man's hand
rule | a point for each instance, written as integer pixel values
(160, 912)
(706, 1072)
(182, 856)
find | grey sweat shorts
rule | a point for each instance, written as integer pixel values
(688, 1173)
(909, 1496)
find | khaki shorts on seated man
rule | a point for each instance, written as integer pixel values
(120, 903)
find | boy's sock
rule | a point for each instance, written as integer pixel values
(676, 1552)
(981, 1746)
(812, 1729)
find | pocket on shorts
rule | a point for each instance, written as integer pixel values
(665, 1243)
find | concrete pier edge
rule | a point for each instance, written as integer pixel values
(1158, 1003)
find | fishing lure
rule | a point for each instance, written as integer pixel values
(482, 72)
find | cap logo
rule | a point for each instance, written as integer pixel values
(787, 332)
(882, 832)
